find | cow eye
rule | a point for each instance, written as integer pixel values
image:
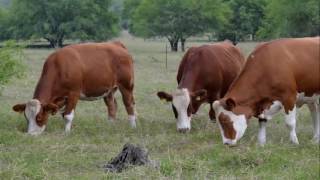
(175, 111)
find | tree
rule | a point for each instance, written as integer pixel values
(291, 18)
(4, 23)
(60, 19)
(246, 19)
(176, 19)
(129, 7)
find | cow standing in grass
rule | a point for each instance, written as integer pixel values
(87, 72)
(278, 75)
(205, 74)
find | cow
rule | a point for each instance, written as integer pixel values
(204, 75)
(88, 71)
(280, 75)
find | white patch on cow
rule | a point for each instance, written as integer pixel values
(90, 98)
(290, 120)
(68, 118)
(314, 107)
(181, 101)
(132, 121)
(315, 114)
(262, 132)
(32, 109)
(268, 114)
(239, 123)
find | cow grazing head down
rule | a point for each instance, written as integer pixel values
(184, 104)
(231, 122)
(36, 114)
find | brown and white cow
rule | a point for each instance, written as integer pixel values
(84, 71)
(278, 75)
(205, 74)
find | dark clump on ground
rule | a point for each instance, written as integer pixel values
(130, 155)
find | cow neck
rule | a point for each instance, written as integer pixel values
(245, 94)
(187, 82)
(44, 88)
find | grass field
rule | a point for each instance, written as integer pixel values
(93, 140)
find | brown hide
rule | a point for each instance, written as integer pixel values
(210, 67)
(90, 69)
(276, 70)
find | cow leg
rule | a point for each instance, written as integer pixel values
(112, 105)
(262, 131)
(315, 113)
(68, 114)
(128, 101)
(290, 120)
(212, 114)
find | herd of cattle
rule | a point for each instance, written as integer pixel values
(279, 75)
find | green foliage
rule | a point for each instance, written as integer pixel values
(10, 62)
(177, 19)
(129, 7)
(4, 22)
(291, 18)
(246, 19)
(59, 19)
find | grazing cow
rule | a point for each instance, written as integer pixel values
(87, 72)
(204, 75)
(278, 75)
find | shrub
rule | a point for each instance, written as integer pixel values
(10, 62)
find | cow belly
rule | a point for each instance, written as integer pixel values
(85, 97)
(303, 99)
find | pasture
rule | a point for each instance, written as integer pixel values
(94, 140)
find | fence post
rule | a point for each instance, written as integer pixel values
(166, 56)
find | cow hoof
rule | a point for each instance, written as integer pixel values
(184, 130)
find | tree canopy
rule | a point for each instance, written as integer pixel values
(291, 18)
(60, 19)
(177, 19)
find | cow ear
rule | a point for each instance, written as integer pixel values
(51, 108)
(230, 104)
(200, 95)
(19, 107)
(163, 95)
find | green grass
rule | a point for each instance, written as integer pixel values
(93, 140)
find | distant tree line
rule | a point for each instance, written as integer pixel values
(58, 20)
(236, 20)
(175, 20)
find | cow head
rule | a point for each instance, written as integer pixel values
(36, 114)
(231, 119)
(184, 104)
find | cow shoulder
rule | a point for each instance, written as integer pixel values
(183, 63)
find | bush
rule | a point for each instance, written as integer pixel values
(10, 62)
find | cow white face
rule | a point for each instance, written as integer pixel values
(232, 126)
(182, 106)
(33, 108)
(36, 115)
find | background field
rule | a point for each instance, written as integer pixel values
(93, 141)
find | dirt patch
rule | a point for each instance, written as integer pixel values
(130, 155)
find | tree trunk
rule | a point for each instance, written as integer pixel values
(174, 44)
(53, 43)
(183, 44)
(60, 42)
